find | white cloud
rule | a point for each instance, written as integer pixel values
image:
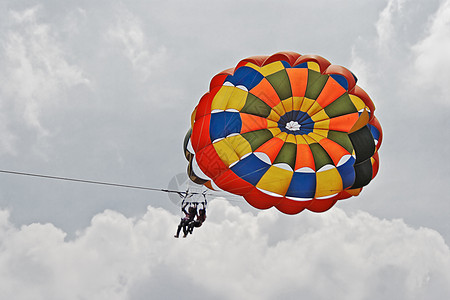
(129, 35)
(385, 25)
(235, 255)
(8, 138)
(36, 70)
(413, 40)
(431, 59)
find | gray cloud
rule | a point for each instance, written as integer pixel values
(234, 255)
(104, 91)
(431, 59)
(399, 70)
(36, 74)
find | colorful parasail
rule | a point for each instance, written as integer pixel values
(288, 130)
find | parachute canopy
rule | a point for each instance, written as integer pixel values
(288, 130)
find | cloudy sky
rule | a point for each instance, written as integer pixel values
(103, 90)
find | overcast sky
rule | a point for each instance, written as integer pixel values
(103, 90)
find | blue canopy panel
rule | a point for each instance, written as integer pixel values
(245, 76)
(223, 124)
(303, 185)
(251, 169)
(347, 172)
(341, 80)
(375, 132)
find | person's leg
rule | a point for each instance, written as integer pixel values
(191, 227)
(179, 228)
(185, 229)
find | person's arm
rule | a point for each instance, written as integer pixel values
(183, 208)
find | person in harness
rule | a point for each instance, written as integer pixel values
(194, 215)
(189, 217)
(199, 219)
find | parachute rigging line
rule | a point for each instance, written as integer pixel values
(98, 182)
